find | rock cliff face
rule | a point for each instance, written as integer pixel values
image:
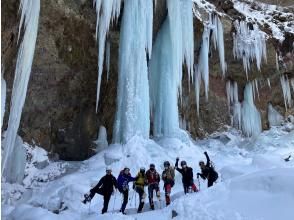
(59, 112)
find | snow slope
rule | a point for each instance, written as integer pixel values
(254, 177)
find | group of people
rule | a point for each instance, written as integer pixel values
(151, 179)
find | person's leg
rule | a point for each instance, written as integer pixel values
(106, 202)
(209, 182)
(186, 188)
(141, 199)
(150, 196)
(125, 201)
(167, 189)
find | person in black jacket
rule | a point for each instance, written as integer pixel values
(207, 171)
(105, 188)
(187, 176)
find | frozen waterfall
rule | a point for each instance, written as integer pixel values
(132, 116)
(233, 103)
(173, 47)
(29, 21)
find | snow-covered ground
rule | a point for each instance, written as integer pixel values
(255, 181)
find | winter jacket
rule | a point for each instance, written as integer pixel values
(123, 181)
(152, 177)
(140, 180)
(208, 172)
(187, 174)
(105, 185)
(168, 175)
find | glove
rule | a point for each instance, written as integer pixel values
(205, 152)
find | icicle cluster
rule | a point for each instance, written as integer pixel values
(274, 117)
(132, 116)
(201, 70)
(29, 21)
(249, 44)
(250, 120)
(286, 90)
(107, 11)
(174, 46)
(233, 103)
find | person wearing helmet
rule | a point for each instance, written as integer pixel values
(123, 186)
(104, 187)
(168, 177)
(207, 171)
(187, 176)
(139, 185)
(153, 180)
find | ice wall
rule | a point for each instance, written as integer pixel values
(250, 120)
(132, 116)
(29, 21)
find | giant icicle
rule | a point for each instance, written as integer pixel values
(29, 20)
(107, 11)
(286, 91)
(174, 46)
(249, 44)
(218, 39)
(251, 120)
(132, 116)
(3, 97)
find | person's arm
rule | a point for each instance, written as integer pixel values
(132, 179)
(114, 181)
(207, 159)
(201, 175)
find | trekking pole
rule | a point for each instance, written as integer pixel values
(136, 200)
(114, 202)
(198, 183)
(89, 209)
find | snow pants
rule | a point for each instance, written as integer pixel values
(188, 186)
(167, 188)
(151, 188)
(107, 197)
(125, 194)
(140, 191)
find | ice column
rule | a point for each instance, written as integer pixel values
(132, 116)
(174, 46)
(251, 121)
(233, 103)
(29, 21)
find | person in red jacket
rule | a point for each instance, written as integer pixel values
(153, 180)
